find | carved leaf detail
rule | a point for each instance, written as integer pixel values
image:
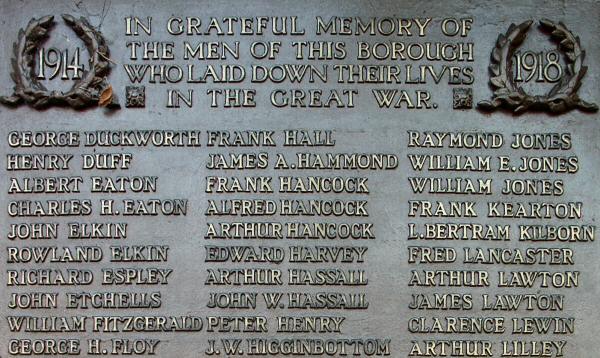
(497, 82)
(562, 97)
(106, 96)
(84, 92)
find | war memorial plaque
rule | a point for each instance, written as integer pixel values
(300, 178)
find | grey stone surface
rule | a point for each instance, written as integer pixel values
(364, 129)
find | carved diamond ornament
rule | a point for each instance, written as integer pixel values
(462, 98)
(135, 96)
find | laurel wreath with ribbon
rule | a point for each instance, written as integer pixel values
(92, 89)
(561, 98)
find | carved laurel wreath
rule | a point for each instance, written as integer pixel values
(91, 89)
(561, 98)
